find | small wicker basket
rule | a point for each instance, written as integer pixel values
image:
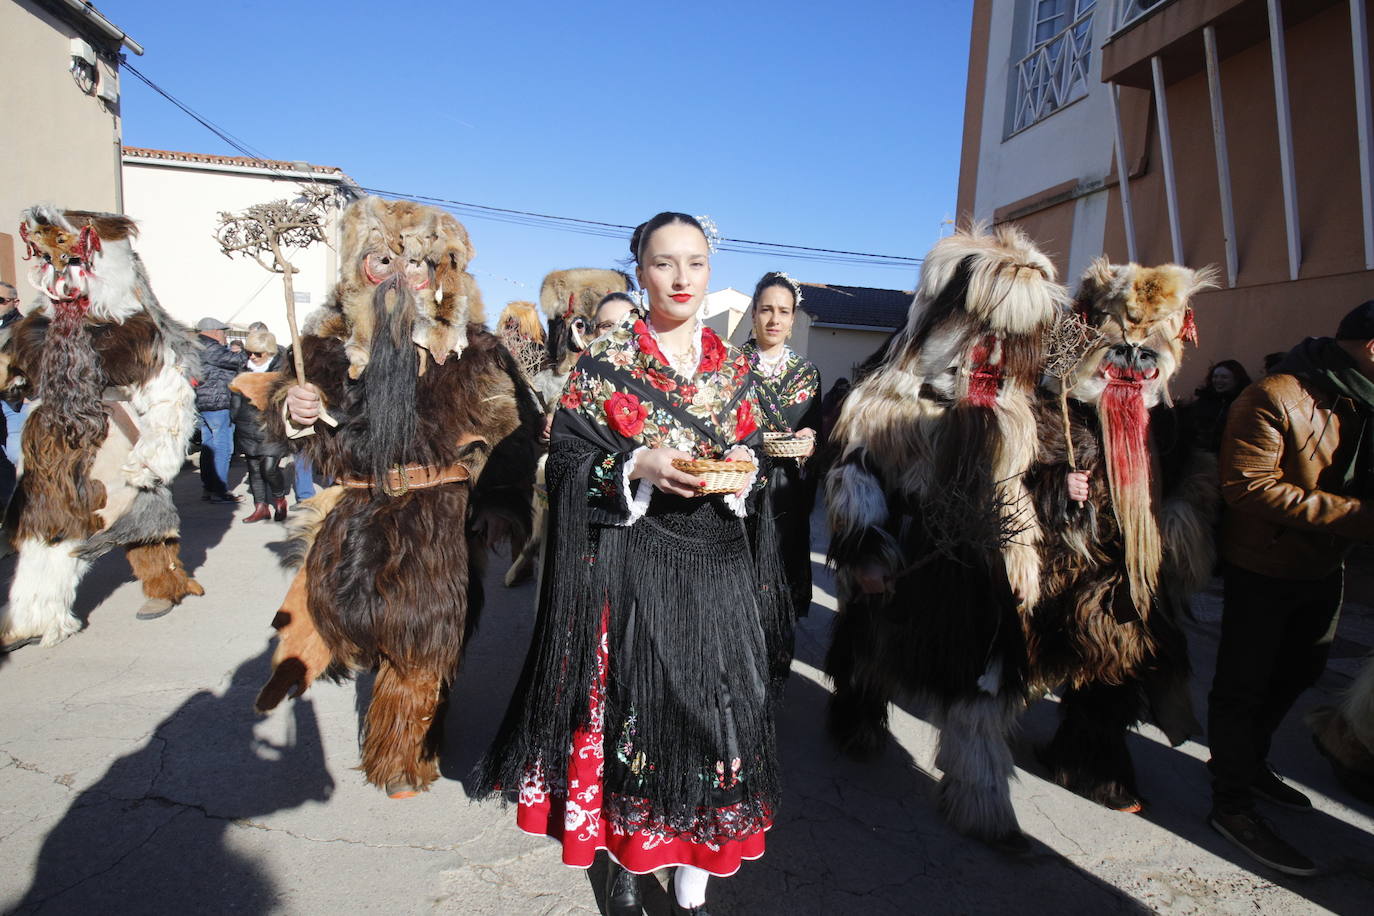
(786, 445)
(720, 476)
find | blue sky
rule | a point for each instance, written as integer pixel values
(833, 125)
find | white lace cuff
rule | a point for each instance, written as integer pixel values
(636, 499)
(737, 502)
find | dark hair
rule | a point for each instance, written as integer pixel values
(773, 278)
(612, 297)
(1242, 377)
(1273, 359)
(646, 229)
(1358, 324)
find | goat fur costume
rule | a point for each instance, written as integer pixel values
(569, 298)
(1084, 596)
(110, 373)
(390, 569)
(1344, 733)
(928, 492)
(1117, 572)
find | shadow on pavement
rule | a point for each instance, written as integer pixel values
(150, 836)
(203, 525)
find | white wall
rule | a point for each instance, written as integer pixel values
(1071, 144)
(177, 210)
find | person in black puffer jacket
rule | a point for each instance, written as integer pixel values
(219, 366)
(262, 453)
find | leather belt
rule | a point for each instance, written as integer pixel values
(400, 480)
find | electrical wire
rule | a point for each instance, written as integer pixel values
(536, 220)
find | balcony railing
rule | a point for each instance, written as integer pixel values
(1128, 12)
(1055, 73)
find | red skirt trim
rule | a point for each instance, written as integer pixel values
(576, 821)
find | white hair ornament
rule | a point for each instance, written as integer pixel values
(711, 231)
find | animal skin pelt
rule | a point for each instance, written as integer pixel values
(1121, 567)
(1345, 734)
(110, 372)
(928, 494)
(390, 578)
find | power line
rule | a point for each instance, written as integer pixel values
(533, 219)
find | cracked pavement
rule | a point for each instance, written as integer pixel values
(136, 778)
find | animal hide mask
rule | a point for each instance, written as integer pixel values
(569, 299)
(84, 261)
(399, 255)
(1143, 315)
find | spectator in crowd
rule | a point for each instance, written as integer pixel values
(1212, 401)
(302, 472)
(212, 403)
(1271, 362)
(235, 347)
(15, 407)
(262, 453)
(610, 311)
(1297, 474)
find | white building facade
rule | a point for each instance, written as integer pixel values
(177, 198)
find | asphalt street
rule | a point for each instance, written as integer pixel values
(136, 778)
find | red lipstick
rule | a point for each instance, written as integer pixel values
(681, 297)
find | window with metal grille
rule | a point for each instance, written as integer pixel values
(1055, 72)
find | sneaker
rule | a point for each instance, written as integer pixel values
(223, 498)
(1269, 787)
(1253, 835)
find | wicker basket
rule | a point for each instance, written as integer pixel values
(720, 476)
(786, 445)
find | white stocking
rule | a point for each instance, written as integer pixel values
(689, 886)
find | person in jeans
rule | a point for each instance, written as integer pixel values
(1297, 474)
(212, 404)
(16, 408)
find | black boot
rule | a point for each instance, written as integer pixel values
(622, 892)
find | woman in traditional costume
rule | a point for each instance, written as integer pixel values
(789, 394)
(643, 722)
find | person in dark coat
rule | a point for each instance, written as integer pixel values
(1208, 410)
(262, 453)
(212, 404)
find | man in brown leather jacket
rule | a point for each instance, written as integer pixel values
(1295, 462)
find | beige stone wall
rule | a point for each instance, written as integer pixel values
(59, 144)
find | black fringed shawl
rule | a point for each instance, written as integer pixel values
(790, 401)
(697, 623)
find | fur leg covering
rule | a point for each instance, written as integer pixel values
(158, 567)
(43, 592)
(1088, 755)
(857, 713)
(975, 790)
(1344, 733)
(401, 747)
(300, 656)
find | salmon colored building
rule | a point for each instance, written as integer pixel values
(1243, 127)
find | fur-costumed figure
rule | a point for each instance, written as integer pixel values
(569, 298)
(1119, 567)
(109, 370)
(432, 447)
(933, 534)
(1344, 733)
